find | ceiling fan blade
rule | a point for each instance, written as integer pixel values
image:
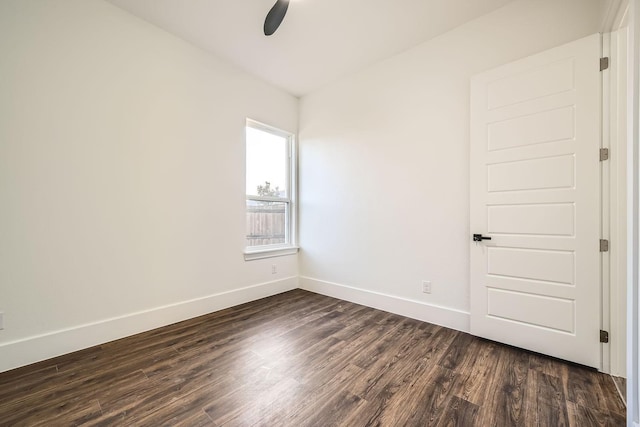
(275, 17)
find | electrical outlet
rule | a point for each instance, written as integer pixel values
(274, 269)
(426, 286)
(1, 320)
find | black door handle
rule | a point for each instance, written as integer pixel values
(480, 238)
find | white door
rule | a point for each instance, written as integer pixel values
(535, 191)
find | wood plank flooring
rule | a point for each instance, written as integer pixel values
(302, 359)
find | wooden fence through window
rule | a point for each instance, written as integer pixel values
(266, 224)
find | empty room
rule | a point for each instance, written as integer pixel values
(319, 213)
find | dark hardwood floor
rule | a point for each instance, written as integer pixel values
(302, 359)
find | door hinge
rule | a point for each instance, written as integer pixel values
(604, 245)
(604, 63)
(604, 336)
(604, 154)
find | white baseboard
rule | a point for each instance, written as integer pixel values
(41, 347)
(443, 316)
(34, 349)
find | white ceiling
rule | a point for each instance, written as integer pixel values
(318, 41)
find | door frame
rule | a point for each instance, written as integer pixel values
(614, 198)
(626, 14)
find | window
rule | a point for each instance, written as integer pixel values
(270, 211)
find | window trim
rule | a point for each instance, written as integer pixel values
(280, 249)
(271, 252)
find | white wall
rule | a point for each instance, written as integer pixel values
(121, 178)
(384, 160)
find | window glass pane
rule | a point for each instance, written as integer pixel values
(267, 157)
(266, 223)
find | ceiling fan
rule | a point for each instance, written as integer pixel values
(275, 17)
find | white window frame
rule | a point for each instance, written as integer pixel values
(290, 246)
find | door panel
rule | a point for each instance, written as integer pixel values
(548, 79)
(522, 175)
(535, 190)
(537, 128)
(532, 219)
(536, 264)
(531, 309)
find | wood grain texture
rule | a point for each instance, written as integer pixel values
(302, 359)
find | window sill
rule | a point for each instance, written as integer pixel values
(252, 254)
